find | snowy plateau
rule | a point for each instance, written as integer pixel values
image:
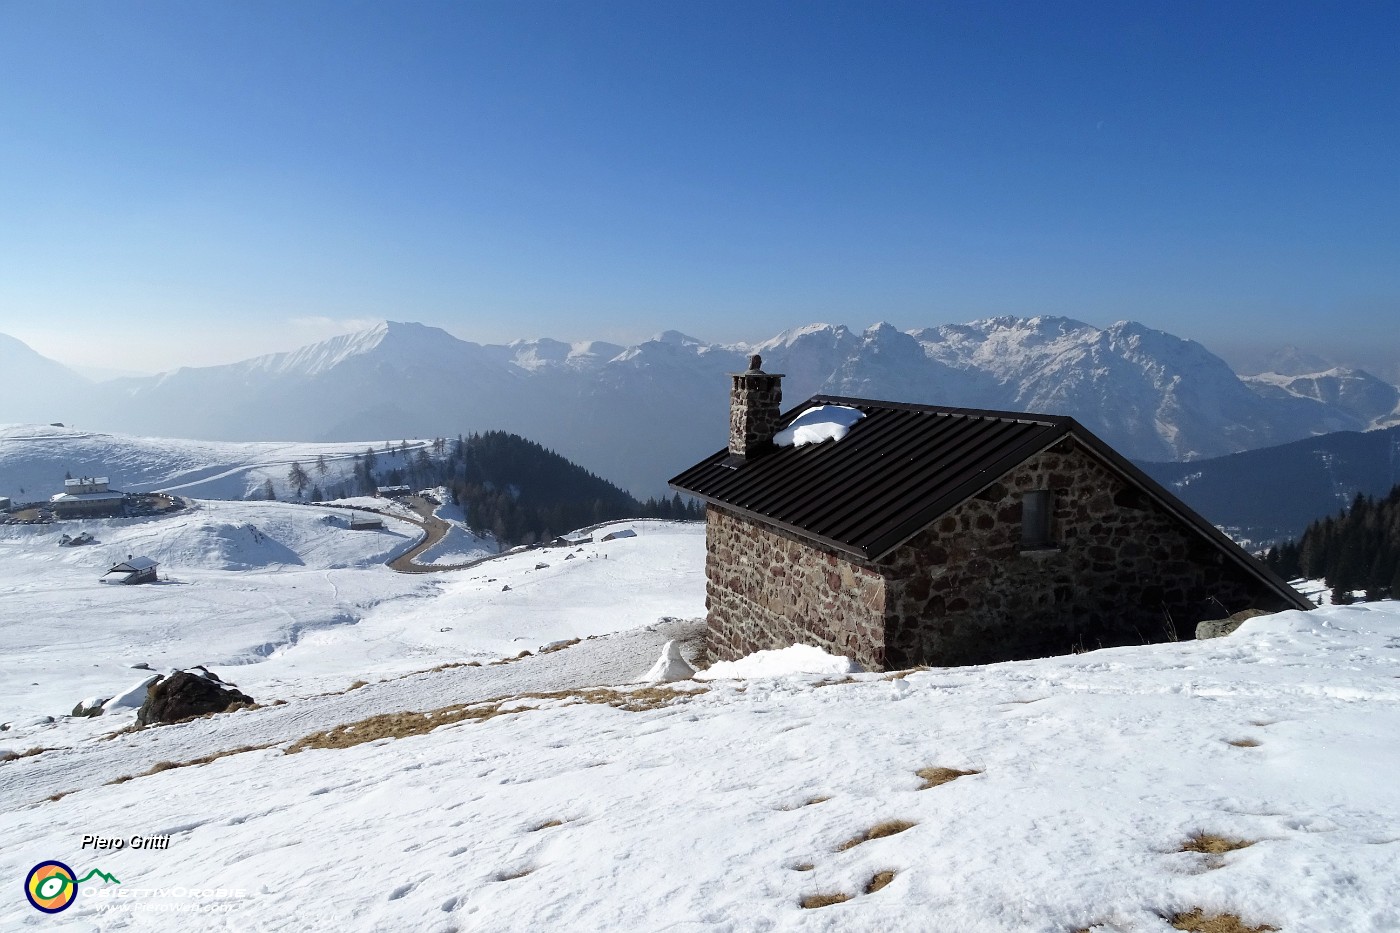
(476, 750)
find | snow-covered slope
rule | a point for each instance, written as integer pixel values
(301, 603)
(1374, 403)
(639, 414)
(1045, 796)
(34, 459)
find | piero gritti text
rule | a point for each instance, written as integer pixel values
(131, 842)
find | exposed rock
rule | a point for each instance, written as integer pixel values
(1218, 628)
(186, 694)
(92, 706)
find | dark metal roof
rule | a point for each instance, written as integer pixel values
(902, 466)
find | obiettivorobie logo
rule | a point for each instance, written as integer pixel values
(52, 886)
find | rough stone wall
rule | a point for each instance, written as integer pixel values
(755, 405)
(766, 588)
(1124, 572)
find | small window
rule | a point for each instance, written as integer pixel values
(1035, 519)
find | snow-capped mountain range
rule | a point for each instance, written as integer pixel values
(636, 415)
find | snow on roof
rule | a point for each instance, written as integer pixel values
(85, 496)
(133, 564)
(822, 423)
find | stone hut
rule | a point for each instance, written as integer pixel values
(923, 534)
(133, 570)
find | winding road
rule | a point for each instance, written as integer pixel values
(434, 530)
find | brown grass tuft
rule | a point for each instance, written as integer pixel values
(1211, 844)
(933, 777)
(803, 866)
(561, 646)
(813, 901)
(547, 824)
(60, 795)
(1244, 743)
(160, 766)
(402, 725)
(878, 831)
(878, 881)
(28, 753)
(900, 675)
(357, 685)
(1198, 921)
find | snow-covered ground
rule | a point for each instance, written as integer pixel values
(723, 806)
(34, 459)
(287, 601)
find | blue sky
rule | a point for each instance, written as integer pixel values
(189, 183)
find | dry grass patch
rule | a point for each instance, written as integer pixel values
(547, 824)
(550, 649)
(878, 831)
(900, 675)
(28, 753)
(402, 725)
(357, 685)
(1244, 743)
(1198, 921)
(933, 777)
(160, 766)
(1211, 844)
(803, 866)
(878, 881)
(813, 901)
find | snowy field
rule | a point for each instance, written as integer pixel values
(286, 601)
(1073, 795)
(34, 459)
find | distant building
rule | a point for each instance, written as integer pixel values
(133, 570)
(85, 485)
(390, 492)
(87, 497)
(359, 522)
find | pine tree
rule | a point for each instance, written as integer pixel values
(268, 491)
(297, 478)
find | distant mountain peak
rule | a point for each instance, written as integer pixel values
(676, 338)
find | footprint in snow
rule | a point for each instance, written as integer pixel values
(401, 890)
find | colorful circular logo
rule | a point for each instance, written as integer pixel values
(51, 887)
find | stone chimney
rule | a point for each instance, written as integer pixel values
(755, 402)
